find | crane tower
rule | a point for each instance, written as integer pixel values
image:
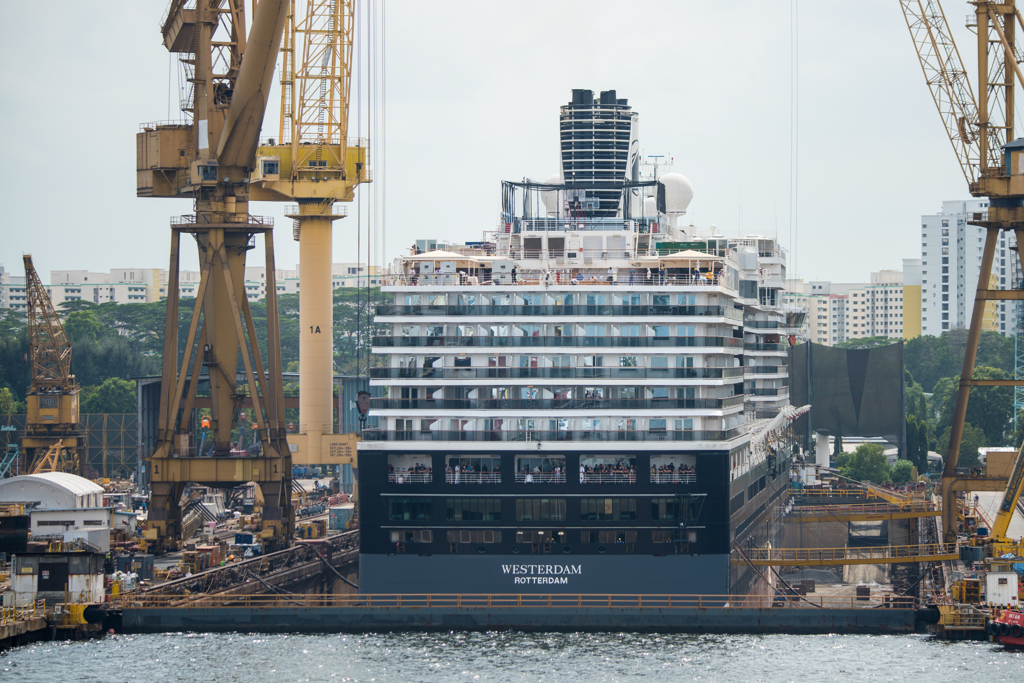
(229, 68)
(981, 130)
(53, 435)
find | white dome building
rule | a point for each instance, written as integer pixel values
(59, 504)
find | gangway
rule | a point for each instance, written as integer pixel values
(867, 512)
(822, 557)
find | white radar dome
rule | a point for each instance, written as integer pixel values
(650, 206)
(550, 197)
(678, 192)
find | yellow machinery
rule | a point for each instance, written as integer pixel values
(53, 434)
(310, 163)
(212, 160)
(981, 130)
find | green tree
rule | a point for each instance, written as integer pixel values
(113, 396)
(82, 325)
(989, 408)
(972, 439)
(7, 402)
(902, 472)
(837, 446)
(866, 343)
(867, 463)
(12, 323)
(930, 359)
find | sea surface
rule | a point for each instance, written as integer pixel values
(510, 656)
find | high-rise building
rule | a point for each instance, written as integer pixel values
(951, 252)
(599, 150)
(911, 298)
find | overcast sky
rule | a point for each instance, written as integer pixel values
(473, 91)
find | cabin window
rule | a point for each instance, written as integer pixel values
(474, 509)
(540, 510)
(607, 509)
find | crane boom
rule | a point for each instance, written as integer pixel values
(947, 80)
(981, 128)
(52, 429)
(1014, 488)
(49, 346)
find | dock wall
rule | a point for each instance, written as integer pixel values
(358, 619)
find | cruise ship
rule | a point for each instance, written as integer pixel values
(590, 400)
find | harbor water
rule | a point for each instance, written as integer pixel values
(511, 656)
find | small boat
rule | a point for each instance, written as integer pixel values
(1008, 629)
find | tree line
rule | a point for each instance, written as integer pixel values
(113, 343)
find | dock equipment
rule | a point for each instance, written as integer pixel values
(821, 557)
(981, 130)
(211, 160)
(868, 512)
(53, 434)
(311, 162)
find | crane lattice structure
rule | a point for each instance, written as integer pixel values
(313, 164)
(53, 435)
(229, 66)
(980, 125)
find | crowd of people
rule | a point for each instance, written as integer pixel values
(617, 473)
(670, 474)
(467, 474)
(417, 474)
(589, 474)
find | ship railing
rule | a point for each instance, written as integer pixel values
(519, 600)
(554, 277)
(673, 477)
(608, 478)
(510, 307)
(472, 478)
(552, 435)
(403, 477)
(540, 477)
(556, 403)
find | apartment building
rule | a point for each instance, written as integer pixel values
(951, 252)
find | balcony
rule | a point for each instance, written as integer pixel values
(581, 341)
(404, 477)
(535, 435)
(686, 477)
(501, 310)
(454, 477)
(556, 403)
(774, 391)
(764, 370)
(766, 347)
(555, 373)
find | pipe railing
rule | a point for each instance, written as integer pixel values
(518, 600)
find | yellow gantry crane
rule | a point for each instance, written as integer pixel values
(229, 67)
(53, 435)
(217, 160)
(313, 164)
(981, 129)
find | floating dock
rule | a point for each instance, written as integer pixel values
(650, 613)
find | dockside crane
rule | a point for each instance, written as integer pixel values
(53, 434)
(981, 129)
(218, 160)
(211, 159)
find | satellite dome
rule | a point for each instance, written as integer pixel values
(678, 192)
(550, 197)
(650, 206)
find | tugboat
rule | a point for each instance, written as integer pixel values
(1008, 629)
